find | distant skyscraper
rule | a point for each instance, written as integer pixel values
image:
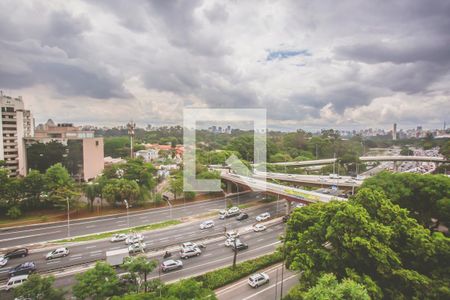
(16, 124)
(394, 132)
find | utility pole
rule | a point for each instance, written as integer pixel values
(131, 127)
(316, 152)
(128, 219)
(68, 217)
(235, 253)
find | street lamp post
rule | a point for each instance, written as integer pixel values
(68, 217)
(128, 219)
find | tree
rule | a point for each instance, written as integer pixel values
(92, 190)
(176, 185)
(97, 283)
(328, 287)
(117, 190)
(417, 193)
(34, 186)
(189, 289)
(38, 288)
(142, 267)
(371, 241)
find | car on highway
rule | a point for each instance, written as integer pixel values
(185, 253)
(286, 218)
(259, 227)
(3, 261)
(242, 216)
(15, 281)
(258, 279)
(230, 241)
(232, 234)
(119, 237)
(20, 252)
(171, 264)
(207, 224)
(263, 217)
(22, 269)
(133, 239)
(137, 247)
(189, 245)
(231, 212)
(239, 245)
(60, 252)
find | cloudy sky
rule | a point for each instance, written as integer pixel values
(312, 64)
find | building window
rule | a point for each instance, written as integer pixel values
(96, 143)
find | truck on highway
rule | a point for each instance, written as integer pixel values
(116, 257)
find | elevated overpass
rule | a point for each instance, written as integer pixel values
(289, 193)
(403, 158)
(306, 162)
(315, 180)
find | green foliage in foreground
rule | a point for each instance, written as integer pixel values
(132, 229)
(38, 288)
(221, 277)
(328, 287)
(373, 242)
(98, 283)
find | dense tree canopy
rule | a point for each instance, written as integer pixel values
(425, 196)
(100, 282)
(373, 242)
(39, 288)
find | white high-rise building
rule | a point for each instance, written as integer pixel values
(16, 123)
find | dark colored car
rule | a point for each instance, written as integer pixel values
(21, 252)
(285, 218)
(242, 216)
(23, 269)
(240, 246)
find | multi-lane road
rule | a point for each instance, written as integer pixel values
(81, 253)
(216, 255)
(25, 235)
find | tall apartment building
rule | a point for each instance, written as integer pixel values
(16, 124)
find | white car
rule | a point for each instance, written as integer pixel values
(189, 245)
(60, 252)
(3, 261)
(230, 242)
(171, 264)
(119, 237)
(232, 234)
(234, 210)
(207, 224)
(263, 217)
(134, 239)
(137, 247)
(258, 279)
(259, 227)
(185, 253)
(15, 281)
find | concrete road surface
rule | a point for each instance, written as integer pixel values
(25, 235)
(270, 291)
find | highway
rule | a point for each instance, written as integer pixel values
(32, 234)
(345, 181)
(278, 189)
(215, 256)
(269, 291)
(82, 253)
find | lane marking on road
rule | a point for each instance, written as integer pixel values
(90, 226)
(95, 254)
(115, 248)
(209, 254)
(97, 251)
(91, 247)
(259, 240)
(28, 236)
(269, 287)
(74, 258)
(53, 262)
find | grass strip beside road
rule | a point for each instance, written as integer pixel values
(104, 235)
(221, 277)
